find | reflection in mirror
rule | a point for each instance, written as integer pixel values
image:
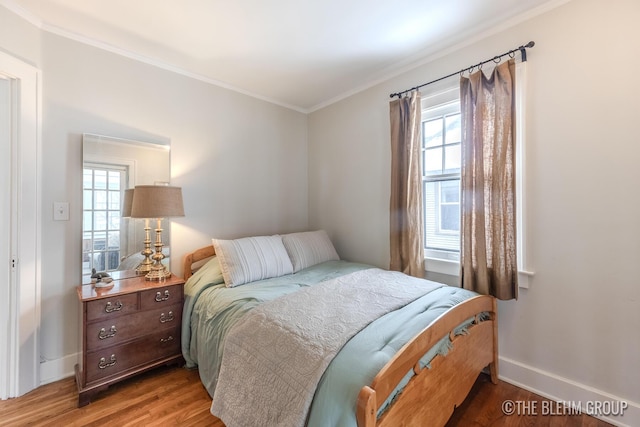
(110, 242)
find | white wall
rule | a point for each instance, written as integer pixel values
(242, 162)
(574, 333)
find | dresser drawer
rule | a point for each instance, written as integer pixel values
(111, 307)
(111, 332)
(160, 297)
(118, 359)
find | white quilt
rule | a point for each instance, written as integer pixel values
(276, 354)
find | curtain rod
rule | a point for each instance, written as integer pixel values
(496, 59)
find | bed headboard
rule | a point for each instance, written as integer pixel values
(193, 261)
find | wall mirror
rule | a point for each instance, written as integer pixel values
(110, 242)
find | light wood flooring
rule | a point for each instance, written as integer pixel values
(175, 397)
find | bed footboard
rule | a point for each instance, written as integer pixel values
(433, 393)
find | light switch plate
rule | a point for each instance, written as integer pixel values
(61, 211)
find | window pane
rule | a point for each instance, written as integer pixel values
(450, 219)
(100, 200)
(98, 261)
(99, 241)
(114, 180)
(450, 191)
(114, 240)
(86, 242)
(86, 263)
(87, 178)
(87, 199)
(87, 221)
(114, 200)
(452, 158)
(100, 179)
(452, 124)
(99, 220)
(433, 161)
(437, 214)
(432, 133)
(113, 260)
(114, 220)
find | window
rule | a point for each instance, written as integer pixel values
(103, 188)
(441, 133)
(441, 137)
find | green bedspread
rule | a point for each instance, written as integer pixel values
(211, 310)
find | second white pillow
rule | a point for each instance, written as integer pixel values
(309, 248)
(252, 258)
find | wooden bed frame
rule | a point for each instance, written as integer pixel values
(433, 393)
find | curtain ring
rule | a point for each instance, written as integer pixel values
(496, 59)
(512, 54)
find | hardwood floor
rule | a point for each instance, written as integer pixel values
(175, 397)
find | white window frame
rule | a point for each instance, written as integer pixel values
(124, 172)
(451, 267)
(447, 107)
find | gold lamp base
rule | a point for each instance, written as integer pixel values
(158, 270)
(147, 263)
(158, 275)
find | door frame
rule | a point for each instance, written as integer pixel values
(20, 311)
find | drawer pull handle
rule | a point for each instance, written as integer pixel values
(169, 338)
(166, 318)
(104, 364)
(113, 307)
(160, 298)
(103, 334)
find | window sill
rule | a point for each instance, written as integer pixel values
(442, 266)
(452, 268)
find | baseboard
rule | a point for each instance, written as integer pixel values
(557, 388)
(57, 369)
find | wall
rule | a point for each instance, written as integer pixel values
(242, 162)
(574, 333)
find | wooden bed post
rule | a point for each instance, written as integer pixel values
(367, 407)
(493, 367)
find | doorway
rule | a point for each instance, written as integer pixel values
(19, 227)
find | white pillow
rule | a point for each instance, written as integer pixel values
(252, 258)
(309, 248)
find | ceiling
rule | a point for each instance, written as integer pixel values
(302, 54)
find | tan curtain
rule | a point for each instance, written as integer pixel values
(488, 254)
(406, 187)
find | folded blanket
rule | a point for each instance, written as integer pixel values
(276, 354)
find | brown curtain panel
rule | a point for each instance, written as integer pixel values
(488, 254)
(406, 187)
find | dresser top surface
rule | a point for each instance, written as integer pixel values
(122, 286)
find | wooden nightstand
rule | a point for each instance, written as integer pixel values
(126, 329)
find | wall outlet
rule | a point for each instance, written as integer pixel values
(61, 211)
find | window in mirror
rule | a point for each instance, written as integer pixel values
(103, 190)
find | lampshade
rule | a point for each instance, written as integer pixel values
(127, 202)
(156, 201)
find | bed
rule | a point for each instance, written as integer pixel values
(411, 365)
